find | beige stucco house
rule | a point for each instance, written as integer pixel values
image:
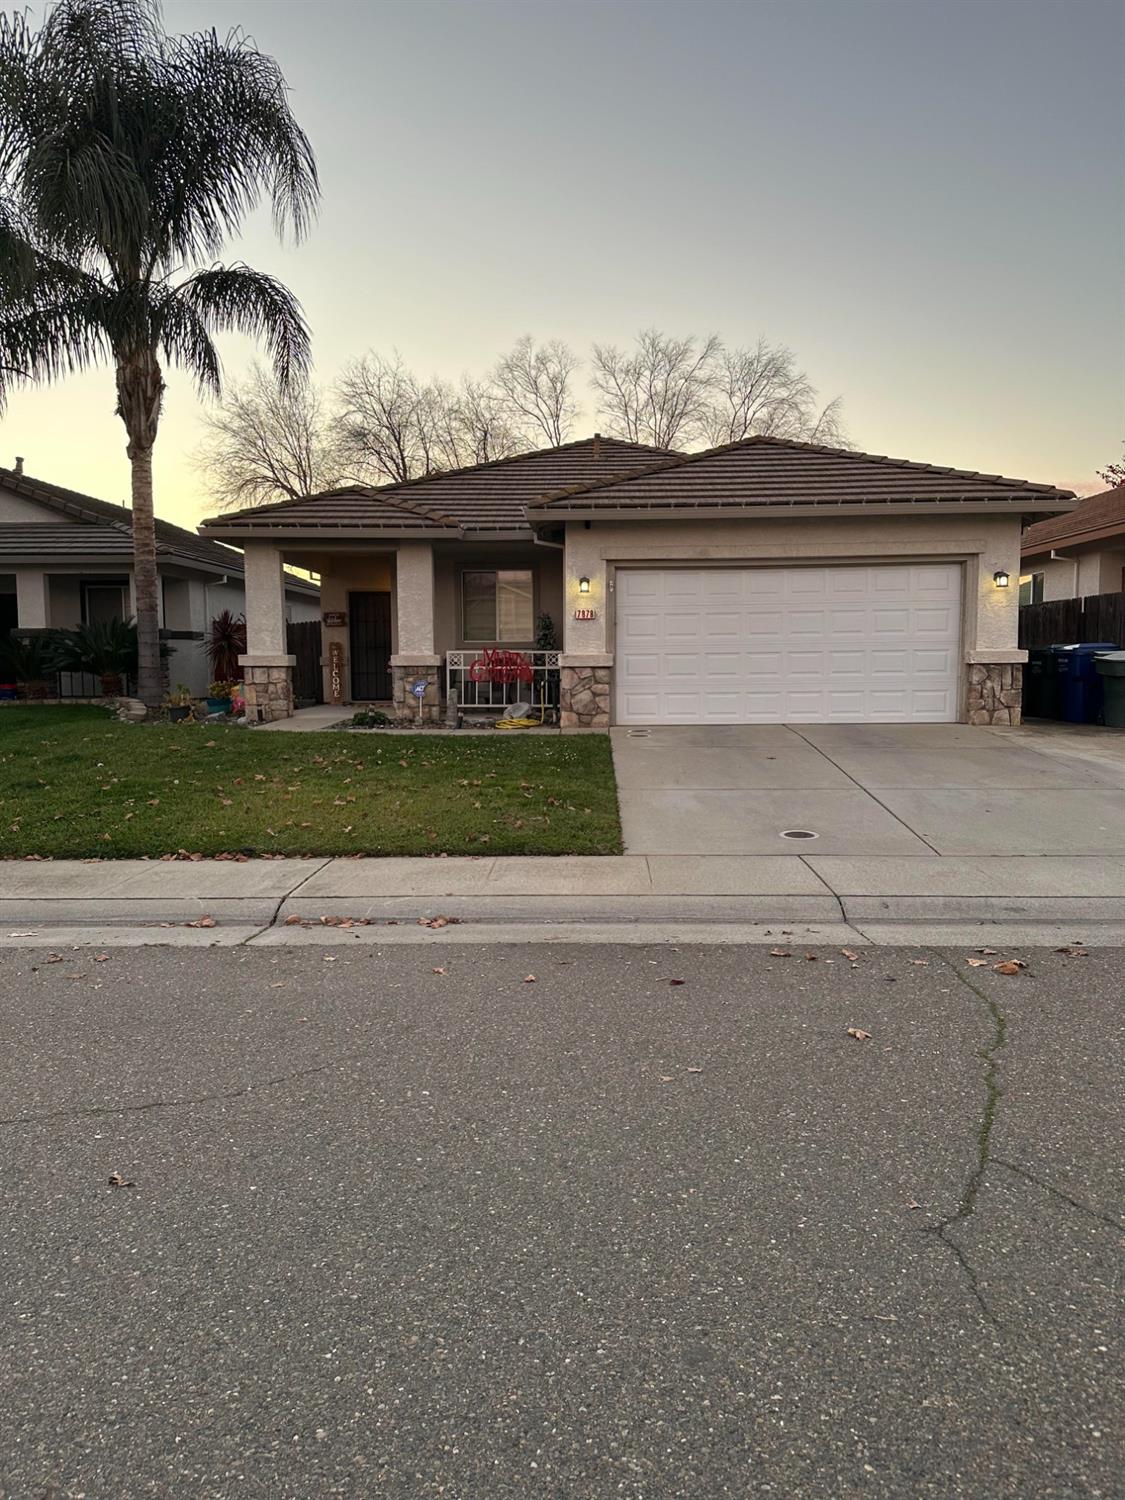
(765, 581)
(1073, 556)
(66, 559)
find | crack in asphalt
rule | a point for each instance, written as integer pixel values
(97, 1111)
(1047, 1187)
(993, 1093)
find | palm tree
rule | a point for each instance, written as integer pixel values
(126, 154)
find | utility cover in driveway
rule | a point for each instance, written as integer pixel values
(807, 645)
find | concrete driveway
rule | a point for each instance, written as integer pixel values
(871, 790)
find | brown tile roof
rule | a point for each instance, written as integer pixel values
(485, 497)
(101, 515)
(774, 472)
(1098, 518)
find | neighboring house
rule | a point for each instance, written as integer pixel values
(67, 559)
(1081, 553)
(765, 581)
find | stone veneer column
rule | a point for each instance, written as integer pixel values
(415, 658)
(585, 689)
(995, 693)
(267, 668)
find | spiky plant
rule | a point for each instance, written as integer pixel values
(127, 154)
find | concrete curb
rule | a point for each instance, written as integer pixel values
(617, 891)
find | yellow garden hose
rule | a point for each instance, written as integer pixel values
(526, 723)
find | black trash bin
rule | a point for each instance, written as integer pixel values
(1111, 669)
(1080, 686)
(1041, 684)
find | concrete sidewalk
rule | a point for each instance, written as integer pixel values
(572, 889)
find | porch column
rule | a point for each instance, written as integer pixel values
(415, 659)
(33, 599)
(267, 668)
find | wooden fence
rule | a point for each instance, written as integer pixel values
(302, 638)
(1061, 622)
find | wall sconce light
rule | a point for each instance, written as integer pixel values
(584, 585)
(1000, 579)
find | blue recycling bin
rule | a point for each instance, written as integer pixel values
(1080, 686)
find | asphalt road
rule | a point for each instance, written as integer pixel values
(397, 1233)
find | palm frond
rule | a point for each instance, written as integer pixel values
(241, 300)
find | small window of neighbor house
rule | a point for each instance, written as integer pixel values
(102, 602)
(1031, 588)
(498, 605)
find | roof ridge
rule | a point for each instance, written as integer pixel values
(681, 460)
(119, 517)
(394, 486)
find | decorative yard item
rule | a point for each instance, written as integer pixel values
(501, 667)
(226, 642)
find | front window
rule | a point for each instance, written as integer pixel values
(498, 605)
(102, 602)
(1031, 588)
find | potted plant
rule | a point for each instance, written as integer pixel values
(28, 663)
(178, 703)
(219, 695)
(107, 649)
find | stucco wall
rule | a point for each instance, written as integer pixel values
(17, 508)
(1093, 572)
(987, 543)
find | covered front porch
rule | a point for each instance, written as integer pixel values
(403, 622)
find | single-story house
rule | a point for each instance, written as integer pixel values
(763, 581)
(1078, 554)
(66, 559)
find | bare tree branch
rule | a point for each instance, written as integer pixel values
(763, 391)
(533, 386)
(659, 392)
(265, 443)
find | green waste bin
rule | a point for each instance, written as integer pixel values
(1111, 669)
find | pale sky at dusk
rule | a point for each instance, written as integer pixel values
(923, 199)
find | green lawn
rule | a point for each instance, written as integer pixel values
(74, 783)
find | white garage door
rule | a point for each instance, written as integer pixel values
(849, 645)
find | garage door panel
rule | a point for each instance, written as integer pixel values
(874, 643)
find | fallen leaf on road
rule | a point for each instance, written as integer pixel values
(912, 1205)
(117, 1181)
(293, 921)
(1009, 966)
(992, 951)
(436, 921)
(101, 958)
(201, 922)
(977, 963)
(694, 1070)
(529, 979)
(810, 958)
(850, 954)
(780, 953)
(1074, 952)
(920, 963)
(859, 1034)
(677, 981)
(53, 958)
(437, 971)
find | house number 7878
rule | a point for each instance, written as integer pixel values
(585, 614)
